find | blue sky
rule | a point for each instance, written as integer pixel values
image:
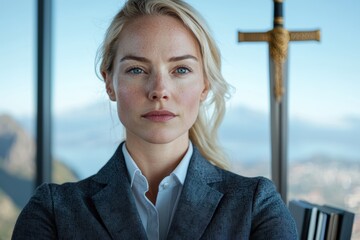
(324, 86)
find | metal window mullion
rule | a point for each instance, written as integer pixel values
(43, 122)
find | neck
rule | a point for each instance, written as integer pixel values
(156, 161)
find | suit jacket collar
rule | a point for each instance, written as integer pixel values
(115, 203)
(198, 200)
(117, 209)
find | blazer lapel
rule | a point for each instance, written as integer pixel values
(115, 203)
(198, 201)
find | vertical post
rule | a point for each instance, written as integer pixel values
(279, 117)
(43, 123)
(279, 126)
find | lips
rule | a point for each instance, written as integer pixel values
(159, 116)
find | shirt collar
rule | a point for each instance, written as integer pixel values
(130, 164)
(181, 169)
(179, 172)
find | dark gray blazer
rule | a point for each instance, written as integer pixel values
(214, 204)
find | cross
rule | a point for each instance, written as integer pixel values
(278, 39)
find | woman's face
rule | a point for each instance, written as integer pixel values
(157, 79)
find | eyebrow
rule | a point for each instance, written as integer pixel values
(188, 56)
(136, 58)
(172, 59)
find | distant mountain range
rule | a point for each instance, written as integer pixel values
(247, 132)
(88, 136)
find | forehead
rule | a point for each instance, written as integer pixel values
(157, 32)
(155, 23)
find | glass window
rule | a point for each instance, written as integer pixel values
(86, 129)
(17, 116)
(324, 122)
(245, 132)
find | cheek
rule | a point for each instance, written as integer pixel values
(191, 99)
(127, 98)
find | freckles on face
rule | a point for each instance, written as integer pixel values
(125, 96)
(158, 68)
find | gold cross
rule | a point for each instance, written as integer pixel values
(278, 39)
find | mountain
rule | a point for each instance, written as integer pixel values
(246, 133)
(17, 148)
(17, 171)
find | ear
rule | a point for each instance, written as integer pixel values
(109, 85)
(205, 91)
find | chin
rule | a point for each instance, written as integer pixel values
(167, 138)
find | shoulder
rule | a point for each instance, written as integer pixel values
(255, 186)
(257, 192)
(50, 196)
(269, 214)
(249, 206)
(256, 198)
(252, 189)
(67, 192)
(39, 214)
(113, 172)
(49, 193)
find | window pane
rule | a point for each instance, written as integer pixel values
(17, 91)
(324, 114)
(245, 132)
(85, 126)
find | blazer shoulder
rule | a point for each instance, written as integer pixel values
(113, 172)
(270, 215)
(238, 183)
(69, 191)
(37, 216)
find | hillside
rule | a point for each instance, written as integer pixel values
(17, 148)
(17, 171)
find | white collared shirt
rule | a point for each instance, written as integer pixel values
(156, 219)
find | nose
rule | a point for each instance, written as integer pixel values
(158, 88)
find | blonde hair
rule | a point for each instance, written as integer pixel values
(203, 133)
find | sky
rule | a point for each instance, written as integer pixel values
(324, 86)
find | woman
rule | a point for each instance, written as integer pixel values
(167, 180)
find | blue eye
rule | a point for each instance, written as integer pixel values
(182, 70)
(135, 71)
